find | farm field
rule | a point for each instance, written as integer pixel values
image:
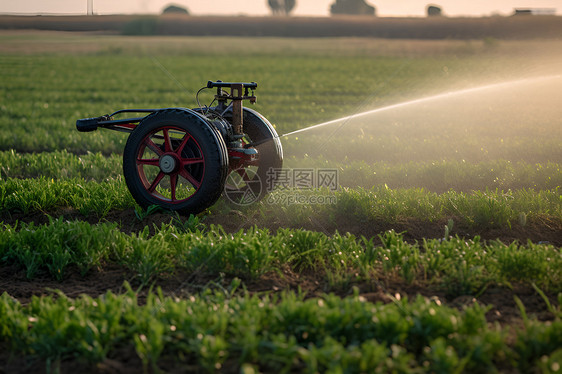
(436, 28)
(439, 250)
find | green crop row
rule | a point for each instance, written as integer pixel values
(458, 267)
(426, 142)
(436, 176)
(215, 331)
(478, 209)
(59, 165)
(42, 96)
(439, 176)
(295, 207)
(43, 194)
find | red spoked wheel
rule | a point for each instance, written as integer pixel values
(177, 160)
(167, 158)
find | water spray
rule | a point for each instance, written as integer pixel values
(184, 159)
(423, 100)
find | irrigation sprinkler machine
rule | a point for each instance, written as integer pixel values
(183, 159)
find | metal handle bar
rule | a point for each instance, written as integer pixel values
(211, 84)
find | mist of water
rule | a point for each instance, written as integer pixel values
(518, 120)
(446, 95)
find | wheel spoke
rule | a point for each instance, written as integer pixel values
(148, 161)
(170, 151)
(182, 145)
(156, 181)
(190, 161)
(184, 173)
(150, 144)
(173, 183)
(167, 141)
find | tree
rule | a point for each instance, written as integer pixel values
(175, 9)
(289, 6)
(281, 6)
(433, 10)
(358, 7)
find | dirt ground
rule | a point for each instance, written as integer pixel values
(111, 276)
(500, 299)
(538, 230)
(181, 284)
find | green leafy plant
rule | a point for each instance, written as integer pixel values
(141, 214)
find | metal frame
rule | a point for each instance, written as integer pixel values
(238, 93)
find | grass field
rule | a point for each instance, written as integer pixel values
(438, 252)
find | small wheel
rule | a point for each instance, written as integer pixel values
(177, 160)
(252, 182)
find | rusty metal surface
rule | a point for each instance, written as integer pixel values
(237, 96)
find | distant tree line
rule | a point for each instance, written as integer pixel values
(352, 7)
(175, 9)
(285, 7)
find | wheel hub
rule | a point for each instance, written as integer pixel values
(167, 163)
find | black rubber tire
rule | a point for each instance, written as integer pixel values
(262, 133)
(209, 146)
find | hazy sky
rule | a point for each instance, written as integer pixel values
(259, 7)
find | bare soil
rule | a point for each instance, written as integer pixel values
(542, 229)
(383, 289)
